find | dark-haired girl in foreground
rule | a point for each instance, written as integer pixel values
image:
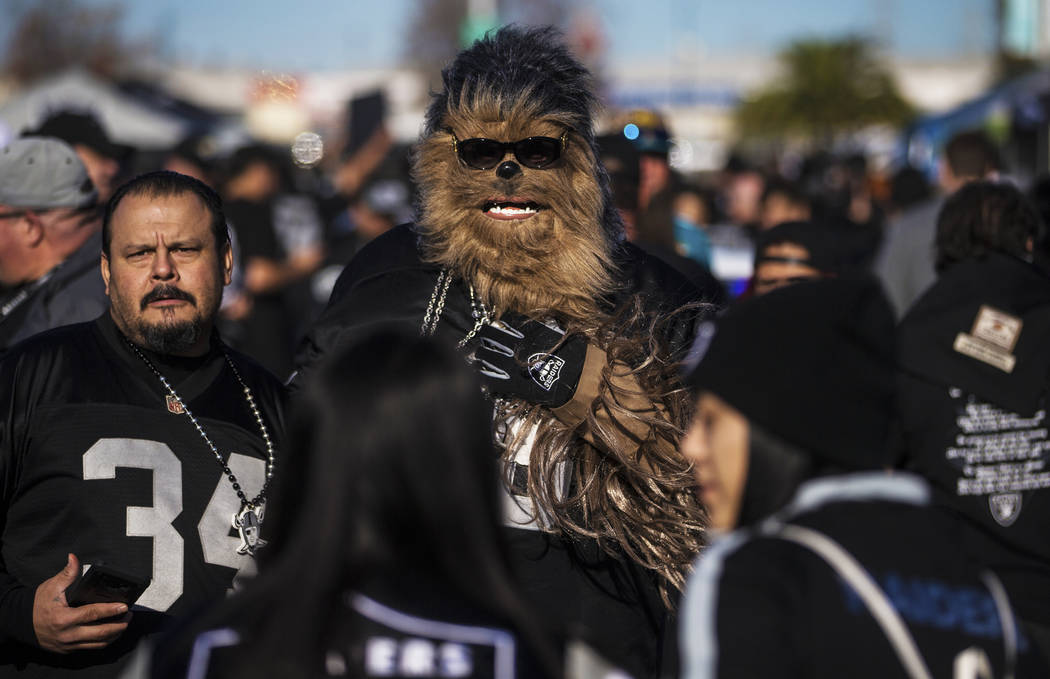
(385, 557)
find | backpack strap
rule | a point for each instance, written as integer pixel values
(850, 570)
(1006, 619)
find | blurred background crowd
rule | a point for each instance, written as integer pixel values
(838, 123)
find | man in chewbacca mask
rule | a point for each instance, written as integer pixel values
(518, 258)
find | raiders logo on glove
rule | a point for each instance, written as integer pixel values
(522, 358)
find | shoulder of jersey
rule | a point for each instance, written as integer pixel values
(48, 342)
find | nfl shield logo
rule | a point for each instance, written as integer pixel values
(174, 406)
(1005, 508)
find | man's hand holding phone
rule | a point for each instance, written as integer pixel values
(61, 628)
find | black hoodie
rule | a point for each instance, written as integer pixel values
(973, 385)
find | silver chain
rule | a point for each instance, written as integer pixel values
(250, 398)
(480, 314)
(437, 305)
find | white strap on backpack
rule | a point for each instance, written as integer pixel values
(849, 569)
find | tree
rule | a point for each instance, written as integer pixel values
(827, 88)
(50, 36)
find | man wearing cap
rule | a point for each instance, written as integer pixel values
(49, 240)
(657, 182)
(101, 156)
(824, 565)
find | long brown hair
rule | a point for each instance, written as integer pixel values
(634, 494)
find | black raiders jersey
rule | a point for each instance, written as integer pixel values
(403, 624)
(95, 461)
(380, 641)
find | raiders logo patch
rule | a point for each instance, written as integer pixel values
(1005, 508)
(992, 338)
(545, 369)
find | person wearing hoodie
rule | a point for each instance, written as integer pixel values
(823, 564)
(974, 374)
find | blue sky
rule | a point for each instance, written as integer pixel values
(324, 34)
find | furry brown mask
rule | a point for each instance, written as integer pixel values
(554, 260)
(635, 497)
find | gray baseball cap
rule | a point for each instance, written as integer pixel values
(41, 172)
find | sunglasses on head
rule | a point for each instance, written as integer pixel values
(534, 152)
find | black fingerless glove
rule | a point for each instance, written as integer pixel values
(515, 358)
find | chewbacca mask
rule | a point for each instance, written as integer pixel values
(531, 240)
(542, 241)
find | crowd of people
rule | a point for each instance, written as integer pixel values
(252, 424)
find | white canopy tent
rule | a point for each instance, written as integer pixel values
(126, 120)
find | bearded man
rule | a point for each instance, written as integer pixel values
(136, 443)
(518, 258)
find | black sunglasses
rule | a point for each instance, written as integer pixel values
(534, 152)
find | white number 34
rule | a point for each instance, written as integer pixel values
(101, 462)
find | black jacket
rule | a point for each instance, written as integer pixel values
(975, 370)
(72, 292)
(760, 605)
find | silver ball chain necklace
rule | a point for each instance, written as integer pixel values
(502, 417)
(436, 306)
(248, 520)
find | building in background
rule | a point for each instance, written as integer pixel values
(1024, 28)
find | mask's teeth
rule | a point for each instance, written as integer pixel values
(511, 210)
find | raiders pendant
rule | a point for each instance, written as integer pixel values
(248, 523)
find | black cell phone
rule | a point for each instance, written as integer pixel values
(102, 583)
(365, 115)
